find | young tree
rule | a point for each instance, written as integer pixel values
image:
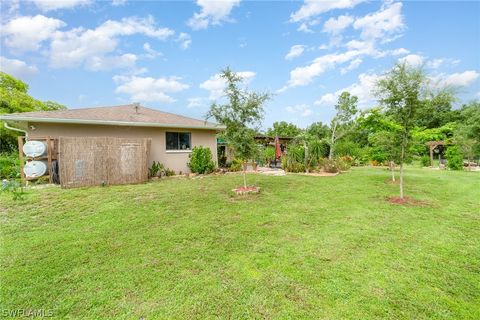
(283, 129)
(402, 93)
(342, 123)
(242, 111)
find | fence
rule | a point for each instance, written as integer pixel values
(87, 161)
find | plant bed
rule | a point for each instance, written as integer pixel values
(246, 190)
(407, 201)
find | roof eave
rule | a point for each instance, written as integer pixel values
(112, 123)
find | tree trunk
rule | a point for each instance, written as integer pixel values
(306, 156)
(392, 168)
(245, 174)
(401, 170)
(332, 142)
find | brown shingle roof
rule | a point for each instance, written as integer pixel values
(116, 115)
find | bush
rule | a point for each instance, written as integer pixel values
(330, 166)
(9, 166)
(454, 158)
(269, 154)
(235, 165)
(201, 160)
(156, 169)
(13, 187)
(342, 165)
(168, 172)
(425, 161)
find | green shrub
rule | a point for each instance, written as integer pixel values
(454, 158)
(269, 154)
(235, 165)
(9, 166)
(342, 164)
(425, 161)
(201, 160)
(168, 172)
(156, 169)
(330, 166)
(13, 187)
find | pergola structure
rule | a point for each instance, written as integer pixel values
(432, 145)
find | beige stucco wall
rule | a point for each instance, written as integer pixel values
(175, 160)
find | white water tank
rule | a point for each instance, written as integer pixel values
(35, 169)
(35, 148)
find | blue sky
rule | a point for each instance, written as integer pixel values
(167, 54)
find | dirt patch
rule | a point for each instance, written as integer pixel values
(389, 181)
(407, 201)
(320, 174)
(246, 190)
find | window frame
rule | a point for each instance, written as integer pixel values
(178, 133)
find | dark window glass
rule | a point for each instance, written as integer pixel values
(178, 140)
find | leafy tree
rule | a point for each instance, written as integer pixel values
(243, 110)
(437, 110)
(14, 98)
(402, 93)
(454, 158)
(318, 130)
(342, 123)
(283, 129)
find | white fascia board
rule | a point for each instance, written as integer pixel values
(6, 117)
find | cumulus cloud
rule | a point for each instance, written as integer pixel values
(50, 5)
(212, 13)
(413, 60)
(459, 79)
(28, 32)
(185, 40)
(295, 51)
(196, 102)
(363, 89)
(216, 84)
(336, 26)
(118, 3)
(80, 46)
(382, 24)
(301, 109)
(148, 89)
(17, 68)
(311, 8)
(150, 52)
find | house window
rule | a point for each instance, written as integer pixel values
(178, 140)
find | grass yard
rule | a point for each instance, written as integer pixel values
(306, 247)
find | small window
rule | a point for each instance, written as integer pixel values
(178, 140)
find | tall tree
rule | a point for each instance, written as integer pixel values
(402, 93)
(342, 123)
(283, 129)
(242, 111)
(14, 98)
(318, 130)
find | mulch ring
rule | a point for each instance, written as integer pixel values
(246, 190)
(407, 201)
(389, 181)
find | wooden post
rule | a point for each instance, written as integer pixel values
(49, 159)
(20, 157)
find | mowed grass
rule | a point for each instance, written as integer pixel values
(305, 247)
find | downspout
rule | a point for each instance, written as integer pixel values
(15, 129)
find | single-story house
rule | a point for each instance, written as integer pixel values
(172, 136)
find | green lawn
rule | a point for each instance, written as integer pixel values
(306, 247)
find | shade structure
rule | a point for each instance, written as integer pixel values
(278, 150)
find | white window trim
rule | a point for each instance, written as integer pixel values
(178, 151)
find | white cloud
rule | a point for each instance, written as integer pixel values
(382, 24)
(363, 89)
(304, 28)
(212, 13)
(458, 79)
(399, 52)
(336, 26)
(148, 89)
(27, 33)
(302, 109)
(117, 3)
(311, 8)
(295, 51)
(196, 102)
(123, 61)
(150, 52)
(216, 84)
(79, 46)
(354, 64)
(49, 5)
(435, 63)
(413, 60)
(185, 40)
(17, 68)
